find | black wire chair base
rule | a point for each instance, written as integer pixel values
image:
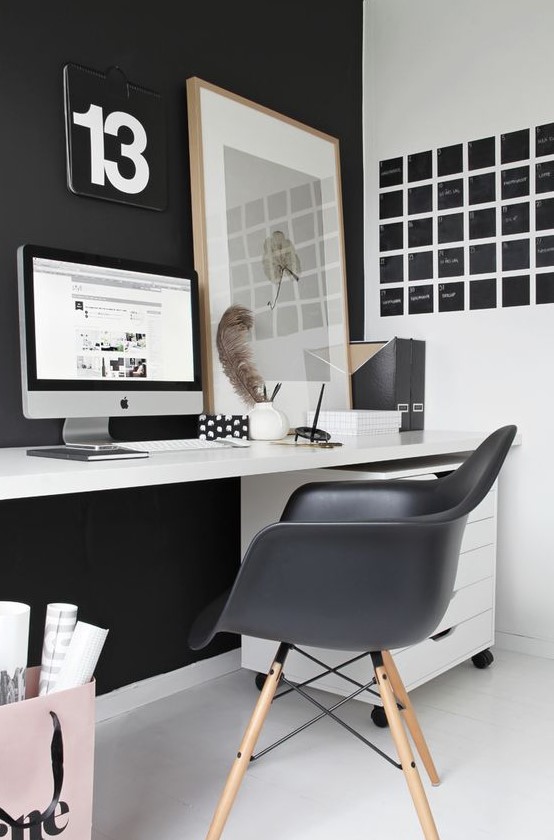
(324, 710)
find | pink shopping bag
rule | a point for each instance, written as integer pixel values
(46, 764)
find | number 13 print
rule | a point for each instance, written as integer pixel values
(115, 139)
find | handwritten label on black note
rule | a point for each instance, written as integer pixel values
(420, 300)
(391, 172)
(515, 182)
(451, 262)
(515, 218)
(392, 302)
(544, 251)
(544, 213)
(544, 177)
(450, 194)
(451, 297)
(544, 139)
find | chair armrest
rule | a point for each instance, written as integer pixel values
(363, 501)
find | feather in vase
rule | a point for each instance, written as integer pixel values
(235, 354)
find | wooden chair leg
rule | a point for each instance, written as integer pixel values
(410, 717)
(247, 746)
(405, 754)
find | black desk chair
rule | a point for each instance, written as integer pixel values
(358, 566)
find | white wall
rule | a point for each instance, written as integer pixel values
(439, 72)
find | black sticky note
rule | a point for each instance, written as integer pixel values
(391, 237)
(515, 218)
(481, 153)
(390, 172)
(450, 228)
(420, 266)
(451, 297)
(544, 139)
(420, 232)
(544, 251)
(482, 188)
(544, 213)
(450, 194)
(545, 288)
(390, 204)
(514, 146)
(391, 269)
(420, 166)
(544, 177)
(515, 255)
(515, 290)
(482, 258)
(420, 199)
(392, 302)
(420, 300)
(451, 262)
(449, 160)
(482, 223)
(515, 182)
(482, 293)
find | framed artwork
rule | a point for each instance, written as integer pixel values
(268, 235)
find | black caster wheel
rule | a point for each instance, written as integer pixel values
(260, 681)
(379, 717)
(483, 659)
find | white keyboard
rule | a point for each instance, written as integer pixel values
(177, 445)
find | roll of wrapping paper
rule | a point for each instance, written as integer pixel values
(81, 657)
(58, 630)
(14, 642)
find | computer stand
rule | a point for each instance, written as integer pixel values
(86, 430)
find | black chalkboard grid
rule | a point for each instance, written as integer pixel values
(471, 224)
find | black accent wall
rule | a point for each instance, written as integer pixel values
(144, 562)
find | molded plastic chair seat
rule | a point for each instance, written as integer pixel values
(360, 566)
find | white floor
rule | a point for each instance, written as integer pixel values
(159, 770)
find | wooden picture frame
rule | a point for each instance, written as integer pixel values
(268, 234)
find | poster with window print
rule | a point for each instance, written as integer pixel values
(116, 138)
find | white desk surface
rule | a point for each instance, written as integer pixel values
(22, 476)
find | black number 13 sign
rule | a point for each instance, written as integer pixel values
(116, 143)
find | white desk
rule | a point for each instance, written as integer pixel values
(22, 476)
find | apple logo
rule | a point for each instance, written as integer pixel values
(124, 403)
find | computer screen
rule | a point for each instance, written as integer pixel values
(104, 337)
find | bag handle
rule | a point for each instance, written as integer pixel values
(56, 754)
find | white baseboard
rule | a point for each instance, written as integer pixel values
(138, 694)
(525, 644)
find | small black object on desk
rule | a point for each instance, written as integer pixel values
(76, 453)
(314, 434)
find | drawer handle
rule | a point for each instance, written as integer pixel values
(442, 634)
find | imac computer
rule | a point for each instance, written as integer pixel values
(104, 337)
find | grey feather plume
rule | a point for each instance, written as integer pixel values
(235, 353)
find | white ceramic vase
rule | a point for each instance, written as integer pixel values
(267, 423)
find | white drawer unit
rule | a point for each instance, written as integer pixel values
(468, 625)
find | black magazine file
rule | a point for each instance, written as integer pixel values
(390, 376)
